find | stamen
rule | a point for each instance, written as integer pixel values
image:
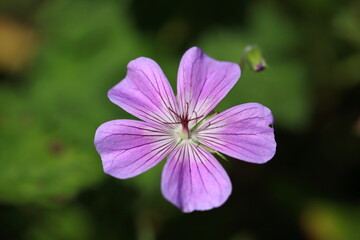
(195, 118)
(184, 119)
(177, 115)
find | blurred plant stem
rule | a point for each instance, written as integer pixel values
(145, 228)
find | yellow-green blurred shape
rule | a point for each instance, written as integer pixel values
(17, 45)
(328, 221)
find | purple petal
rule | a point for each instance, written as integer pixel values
(145, 92)
(242, 132)
(193, 179)
(128, 147)
(203, 82)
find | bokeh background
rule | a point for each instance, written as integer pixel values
(58, 58)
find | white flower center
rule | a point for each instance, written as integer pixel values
(182, 132)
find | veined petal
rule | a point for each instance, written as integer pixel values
(128, 147)
(243, 132)
(193, 179)
(203, 82)
(145, 92)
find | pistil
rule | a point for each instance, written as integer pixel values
(185, 132)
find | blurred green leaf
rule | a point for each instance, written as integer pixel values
(63, 223)
(346, 27)
(48, 130)
(37, 165)
(346, 24)
(347, 72)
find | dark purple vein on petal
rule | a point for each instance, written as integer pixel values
(201, 151)
(194, 152)
(147, 115)
(175, 153)
(181, 178)
(201, 89)
(161, 147)
(209, 134)
(171, 102)
(167, 104)
(190, 172)
(232, 123)
(204, 154)
(191, 83)
(215, 141)
(159, 130)
(141, 145)
(215, 86)
(151, 100)
(163, 150)
(223, 117)
(237, 140)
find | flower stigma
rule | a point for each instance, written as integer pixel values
(183, 131)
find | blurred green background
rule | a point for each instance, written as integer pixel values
(58, 59)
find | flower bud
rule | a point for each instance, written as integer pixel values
(254, 58)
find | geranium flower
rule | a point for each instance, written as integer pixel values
(179, 128)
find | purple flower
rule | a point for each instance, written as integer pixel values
(192, 178)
